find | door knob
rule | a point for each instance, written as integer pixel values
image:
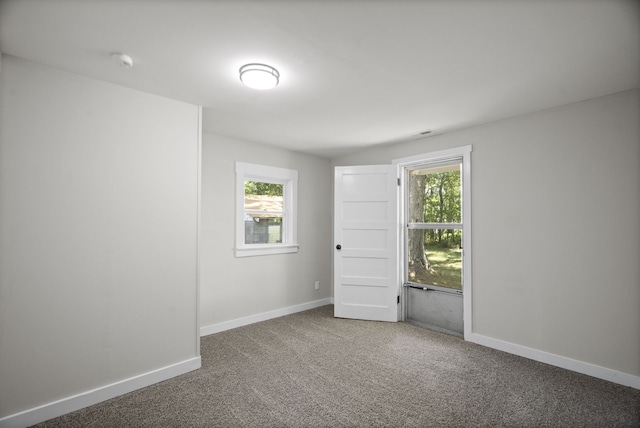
(338, 247)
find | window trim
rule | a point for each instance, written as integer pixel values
(268, 174)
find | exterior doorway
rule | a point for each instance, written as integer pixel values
(435, 240)
(402, 241)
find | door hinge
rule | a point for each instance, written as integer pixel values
(398, 299)
(398, 181)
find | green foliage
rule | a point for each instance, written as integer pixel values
(443, 205)
(446, 267)
(261, 188)
(442, 198)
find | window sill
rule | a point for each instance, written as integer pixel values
(266, 249)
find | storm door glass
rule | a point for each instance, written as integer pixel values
(434, 226)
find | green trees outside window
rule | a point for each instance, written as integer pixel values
(262, 189)
(434, 253)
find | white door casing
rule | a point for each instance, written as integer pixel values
(366, 281)
(463, 152)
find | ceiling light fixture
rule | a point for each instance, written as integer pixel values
(259, 76)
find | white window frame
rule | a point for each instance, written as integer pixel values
(268, 174)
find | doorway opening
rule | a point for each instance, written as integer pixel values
(435, 240)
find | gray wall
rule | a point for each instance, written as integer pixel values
(556, 236)
(232, 288)
(98, 209)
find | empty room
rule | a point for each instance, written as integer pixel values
(309, 213)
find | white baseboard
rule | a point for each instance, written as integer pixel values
(240, 322)
(95, 396)
(558, 361)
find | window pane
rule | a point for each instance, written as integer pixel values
(259, 196)
(435, 195)
(262, 228)
(263, 221)
(435, 263)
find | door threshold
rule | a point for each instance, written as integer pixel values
(434, 328)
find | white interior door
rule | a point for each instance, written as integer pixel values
(366, 283)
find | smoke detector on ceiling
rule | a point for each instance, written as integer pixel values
(124, 60)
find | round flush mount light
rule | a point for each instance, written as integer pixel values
(259, 76)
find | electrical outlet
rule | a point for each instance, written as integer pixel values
(317, 285)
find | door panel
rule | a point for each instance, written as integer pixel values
(365, 210)
(372, 239)
(366, 233)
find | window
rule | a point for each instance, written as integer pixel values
(266, 207)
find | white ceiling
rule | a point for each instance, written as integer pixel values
(353, 73)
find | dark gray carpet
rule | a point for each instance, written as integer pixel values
(311, 370)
